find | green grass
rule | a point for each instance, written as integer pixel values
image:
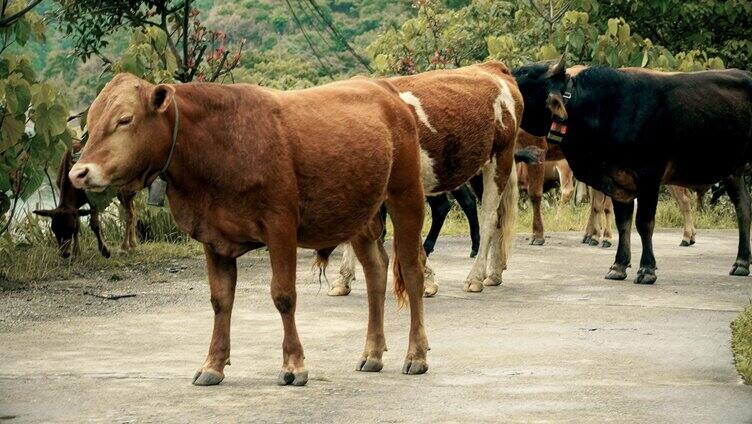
(741, 344)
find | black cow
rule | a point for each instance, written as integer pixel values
(628, 131)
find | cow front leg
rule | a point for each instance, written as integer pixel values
(282, 242)
(373, 257)
(623, 214)
(222, 273)
(129, 232)
(536, 179)
(97, 229)
(440, 208)
(646, 206)
(469, 206)
(740, 197)
(341, 286)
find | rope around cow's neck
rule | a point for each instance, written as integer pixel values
(158, 187)
(163, 172)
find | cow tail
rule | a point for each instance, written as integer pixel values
(400, 291)
(322, 261)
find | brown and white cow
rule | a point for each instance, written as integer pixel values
(254, 167)
(467, 124)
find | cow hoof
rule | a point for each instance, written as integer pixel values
(606, 244)
(645, 276)
(207, 377)
(692, 241)
(473, 253)
(537, 241)
(586, 239)
(415, 366)
(616, 273)
(338, 290)
(106, 253)
(593, 242)
(685, 243)
(370, 365)
(287, 378)
(430, 289)
(473, 286)
(492, 281)
(739, 270)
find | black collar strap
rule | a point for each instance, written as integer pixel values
(559, 126)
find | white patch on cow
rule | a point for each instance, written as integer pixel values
(504, 99)
(409, 98)
(427, 173)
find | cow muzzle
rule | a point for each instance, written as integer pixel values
(87, 176)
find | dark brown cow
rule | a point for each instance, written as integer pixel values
(65, 216)
(468, 123)
(532, 178)
(254, 167)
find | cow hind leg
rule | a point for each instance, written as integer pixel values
(503, 238)
(623, 214)
(222, 273)
(646, 206)
(740, 197)
(373, 257)
(406, 209)
(684, 201)
(341, 286)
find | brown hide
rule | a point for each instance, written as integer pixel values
(459, 106)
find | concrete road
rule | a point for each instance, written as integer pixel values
(555, 343)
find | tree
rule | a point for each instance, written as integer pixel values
(33, 122)
(165, 30)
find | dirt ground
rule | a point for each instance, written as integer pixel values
(555, 343)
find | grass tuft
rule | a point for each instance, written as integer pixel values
(741, 344)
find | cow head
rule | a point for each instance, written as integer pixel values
(542, 85)
(64, 226)
(129, 135)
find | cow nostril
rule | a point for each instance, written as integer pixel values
(84, 172)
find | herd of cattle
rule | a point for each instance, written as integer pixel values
(248, 167)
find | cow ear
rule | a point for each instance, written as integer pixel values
(161, 97)
(46, 212)
(84, 212)
(555, 104)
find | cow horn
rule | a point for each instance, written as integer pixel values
(47, 212)
(559, 68)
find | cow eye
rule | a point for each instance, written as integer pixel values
(125, 120)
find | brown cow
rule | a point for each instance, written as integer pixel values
(65, 216)
(253, 167)
(533, 177)
(468, 123)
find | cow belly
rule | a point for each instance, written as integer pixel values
(343, 195)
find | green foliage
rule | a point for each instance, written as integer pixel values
(516, 32)
(33, 125)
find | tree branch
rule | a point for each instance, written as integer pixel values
(5, 22)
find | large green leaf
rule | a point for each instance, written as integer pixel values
(11, 131)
